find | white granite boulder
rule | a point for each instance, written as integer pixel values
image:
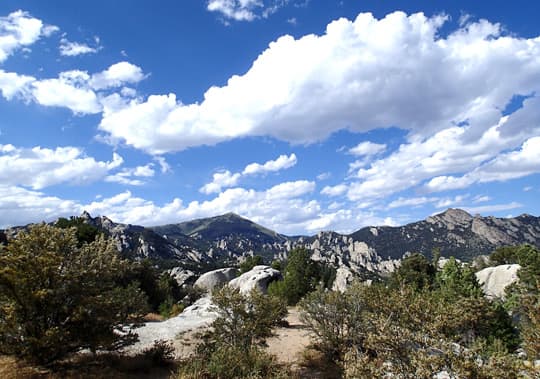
(258, 277)
(216, 278)
(198, 315)
(344, 278)
(494, 280)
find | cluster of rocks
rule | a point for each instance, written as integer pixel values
(202, 313)
(259, 277)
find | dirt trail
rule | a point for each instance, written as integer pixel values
(290, 341)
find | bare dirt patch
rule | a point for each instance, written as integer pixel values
(290, 341)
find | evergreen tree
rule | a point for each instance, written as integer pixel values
(456, 280)
(57, 297)
(301, 275)
(416, 271)
(250, 262)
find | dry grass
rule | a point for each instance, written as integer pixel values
(104, 366)
(153, 317)
(313, 364)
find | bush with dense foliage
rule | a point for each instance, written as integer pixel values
(441, 322)
(162, 291)
(416, 271)
(231, 349)
(301, 275)
(57, 296)
(523, 298)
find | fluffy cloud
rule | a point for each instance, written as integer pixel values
(69, 90)
(453, 150)
(239, 10)
(41, 167)
(18, 30)
(506, 166)
(336, 190)
(227, 179)
(281, 163)
(21, 206)
(367, 148)
(281, 207)
(221, 180)
(71, 49)
(248, 10)
(132, 176)
(117, 75)
(12, 85)
(163, 165)
(360, 75)
(76, 90)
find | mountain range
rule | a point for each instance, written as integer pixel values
(227, 239)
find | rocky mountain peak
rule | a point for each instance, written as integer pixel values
(86, 216)
(452, 217)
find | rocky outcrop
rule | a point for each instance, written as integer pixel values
(182, 276)
(259, 277)
(137, 242)
(344, 278)
(224, 241)
(494, 280)
(216, 278)
(198, 315)
(454, 233)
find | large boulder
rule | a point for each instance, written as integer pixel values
(494, 280)
(216, 278)
(258, 277)
(197, 316)
(344, 278)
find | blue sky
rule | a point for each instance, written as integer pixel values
(302, 115)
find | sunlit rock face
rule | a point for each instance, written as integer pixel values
(494, 280)
(259, 277)
(216, 278)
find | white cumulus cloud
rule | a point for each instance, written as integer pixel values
(18, 30)
(506, 166)
(367, 148)
(76, 90)
(224, 179)
(39, 167)
(281, 163)
(132, 176)
(363, 74)
(71, 49)
(117, 75)
(221, 180)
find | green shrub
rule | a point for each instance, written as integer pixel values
(230, 363)
(415, 271)
(373, 331)
(300, 276)
(57, 297)
(230, 349)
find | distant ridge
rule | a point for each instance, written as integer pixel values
(226, 239)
